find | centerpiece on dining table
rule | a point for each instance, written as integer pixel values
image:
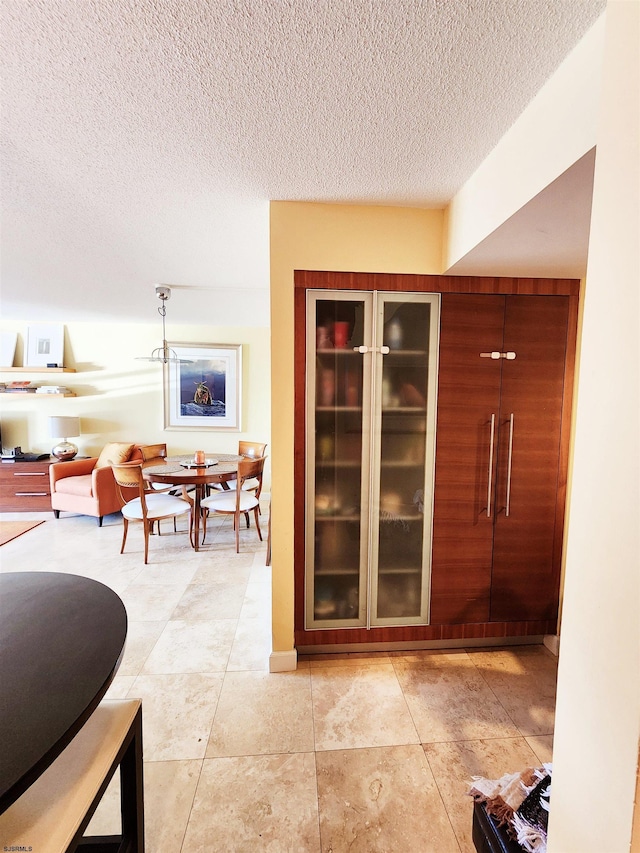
(199, 461)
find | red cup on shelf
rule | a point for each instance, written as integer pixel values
(340, 334)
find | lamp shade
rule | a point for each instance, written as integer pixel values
(64, 427)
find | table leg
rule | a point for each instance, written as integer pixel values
(196, 520)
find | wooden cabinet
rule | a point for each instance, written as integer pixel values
(499, 490)
(489, 564)
(24, 486)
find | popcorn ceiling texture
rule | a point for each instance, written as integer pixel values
(143, 140)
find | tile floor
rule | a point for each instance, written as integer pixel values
(358, 753)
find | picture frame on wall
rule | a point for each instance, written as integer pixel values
(45, 345)
(203, 387)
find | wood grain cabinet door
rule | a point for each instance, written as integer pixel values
(527, 544)
(499, 499)
(468, 404)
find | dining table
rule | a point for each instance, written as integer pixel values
(183, 471)
(62, 638)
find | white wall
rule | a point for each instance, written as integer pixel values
(556, 129)
(598, 705)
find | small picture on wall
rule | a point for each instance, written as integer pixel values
(203, 389)
(45, 345)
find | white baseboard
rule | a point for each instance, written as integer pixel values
(283, 661)
(552, 642)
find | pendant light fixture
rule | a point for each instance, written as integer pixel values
(164, 354)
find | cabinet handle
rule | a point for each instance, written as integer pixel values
(30, 474)
(508, 506)
(31, 494)
(384, 349)
(490, 483)
(361, 349)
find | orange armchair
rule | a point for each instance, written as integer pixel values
(83, 486)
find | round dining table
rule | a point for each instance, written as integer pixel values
(62, 639)
(182, 471)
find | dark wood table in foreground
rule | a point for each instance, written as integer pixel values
(173, 472)
(61, 642)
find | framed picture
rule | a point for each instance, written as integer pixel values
(202, 389)
(45, 345)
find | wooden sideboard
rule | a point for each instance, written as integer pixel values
(24, 486)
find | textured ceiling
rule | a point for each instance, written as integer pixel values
(142, 141)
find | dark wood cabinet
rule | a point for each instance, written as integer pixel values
(25, 486)
(504, 396)
(500, 469)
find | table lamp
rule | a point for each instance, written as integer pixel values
(58, 427)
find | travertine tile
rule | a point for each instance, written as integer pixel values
(204, 602)
(151, 602)
(177, 712)
(255, 803)
(379, 800)
(141, 638)
(323, 661)
(251, 645)
(169, 789)
(524, 680)
(542, 745)
(358, 706)
(260, 712)
(192, 647)
(454, 765)
(451, 701)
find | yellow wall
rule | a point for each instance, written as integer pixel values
(325, 237)
(121, 399)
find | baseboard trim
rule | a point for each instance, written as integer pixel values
(415, 645)
(283, 661)
(552, 642)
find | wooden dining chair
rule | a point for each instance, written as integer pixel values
(150, 506)
(238, 501)
(249, 450)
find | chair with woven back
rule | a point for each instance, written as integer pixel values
(238, 501)
(150, 506)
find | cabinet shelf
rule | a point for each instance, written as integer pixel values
(333, 409)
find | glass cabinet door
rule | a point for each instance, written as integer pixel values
(406, 346)
(370, 451)
(338, 414)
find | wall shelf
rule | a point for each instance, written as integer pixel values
(21, 395)
(37, 370)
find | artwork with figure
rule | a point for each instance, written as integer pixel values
(202, 387)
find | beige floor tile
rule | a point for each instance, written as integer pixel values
(524, 680)
(141, 638)
(260, 713)
(222, 568)
(255, 803)
(542, 745)
(120, 686)
(451, 701)
(192, 647)
(204, 602)
(251, 645)
(177, 713)
(151, 602)
(381, 800)
(454, 765)
(359, 706)
(169, 789)
(257, 601)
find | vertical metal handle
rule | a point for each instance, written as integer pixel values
(508, 506)
(490, 479)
